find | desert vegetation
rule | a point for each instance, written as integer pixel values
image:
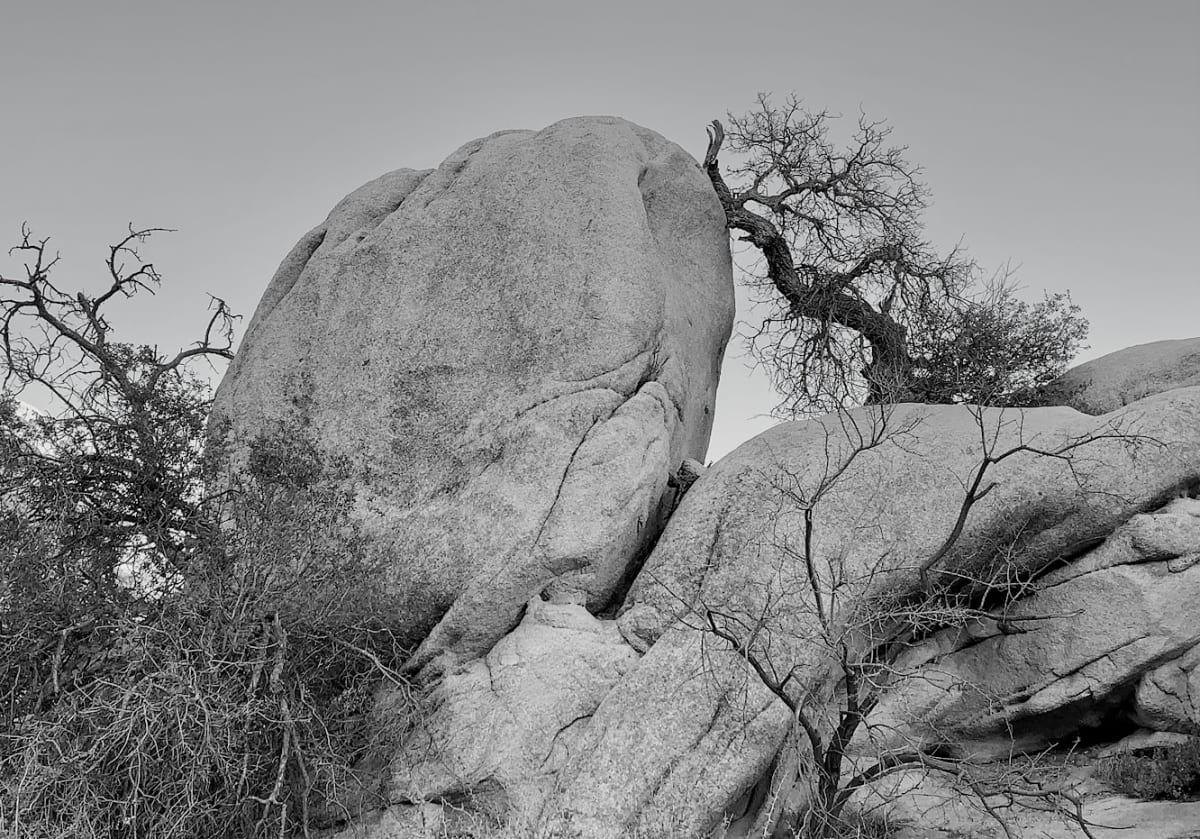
(175, 662)
(860, 306)
(1170, 772)
(171, 664)
(830, 636)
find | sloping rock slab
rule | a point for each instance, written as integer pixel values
(1127, 375)
(1082, 647)
(1111, 635)
(885, 490)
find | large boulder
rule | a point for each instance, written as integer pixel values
(886, 487)
(870, 496)
(1127, 375)
(506, 358)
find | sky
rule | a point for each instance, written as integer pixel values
(1058, 136)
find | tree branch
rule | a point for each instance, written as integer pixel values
(889, 372)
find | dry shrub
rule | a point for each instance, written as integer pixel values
(1170, 772)
(171, 664)
(226, 693)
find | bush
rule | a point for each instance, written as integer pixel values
(997, 349)
(1161, 773)
(173, 664)
(236, 701)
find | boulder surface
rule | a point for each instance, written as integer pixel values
(690, 731)
(1105, 641)
(1124, 376)
(506, 358)
(498, 730)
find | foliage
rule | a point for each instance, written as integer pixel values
(862, 307)
(232, 705)
(115, 465)
(172, 663)
(1164, 772)
(996, 350)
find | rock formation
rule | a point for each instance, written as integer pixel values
(505, 724)
(510, 362)
(1114, 641)
(687, 736)
(735, 549)
(507, 357)
(1128, 375)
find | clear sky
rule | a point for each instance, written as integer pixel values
(1063, 136)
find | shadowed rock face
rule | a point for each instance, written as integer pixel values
(507, 356)
(1109, 639)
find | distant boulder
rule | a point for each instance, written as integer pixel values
(507, 358)
(1125, 376)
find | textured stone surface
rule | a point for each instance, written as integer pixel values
(503, 725)
(670, 749)
(416, 821)
(506, 357)
(1128, 375)
(690, 730)
(934, 809)
(899, 498)
(1118, 617)
(1168, 697)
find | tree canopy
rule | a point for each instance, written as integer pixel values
(864, 307)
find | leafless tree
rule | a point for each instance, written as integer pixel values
(828, 637)
(121, 442)
(860, 300)
(173, 663)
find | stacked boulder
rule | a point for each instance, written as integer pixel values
(513, 360)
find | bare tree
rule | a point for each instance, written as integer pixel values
(173, 663)
(861, 300)
(121, 443)
(829, 636)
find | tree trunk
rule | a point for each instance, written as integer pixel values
(889, 372)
